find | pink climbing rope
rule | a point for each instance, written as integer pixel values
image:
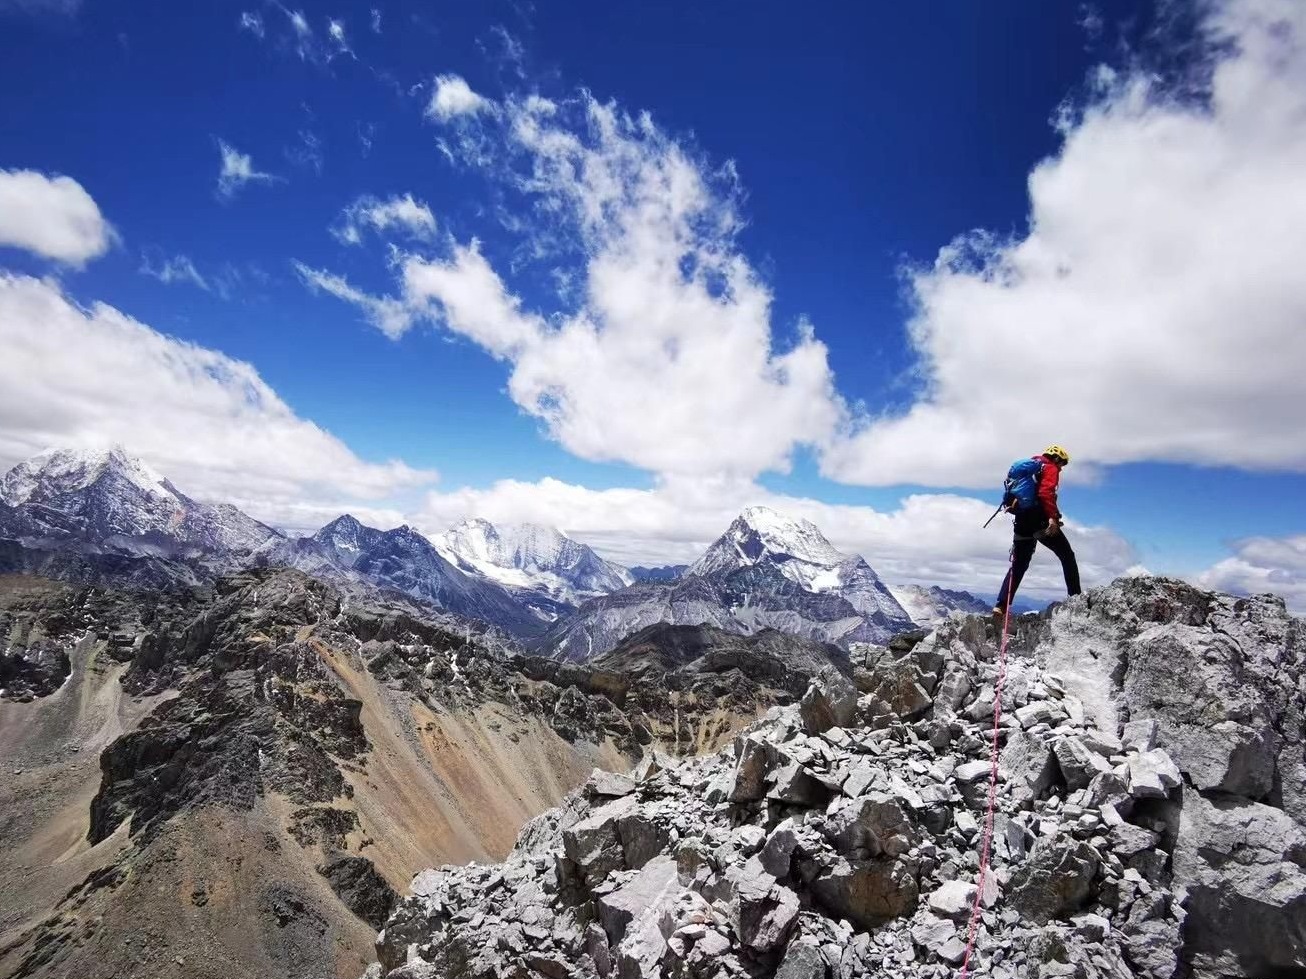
(987, 837)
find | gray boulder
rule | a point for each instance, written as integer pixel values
(830, 701)
(1055, 881)
(1242, 864)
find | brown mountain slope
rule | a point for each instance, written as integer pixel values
(233, 783)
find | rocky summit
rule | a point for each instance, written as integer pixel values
(1149, 820)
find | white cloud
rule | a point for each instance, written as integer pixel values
(51, 216)
(453, 97)
(404, 214)
(336, 31)
(237, 171)
(178, 268)
(91, 377)
(392, 317)
(252, 22)
(669, 362)
(376, 21)
(1154, 310)
(300, 24)
(928, 539)
(1263, 564)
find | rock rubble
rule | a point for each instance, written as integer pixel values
(837, 841)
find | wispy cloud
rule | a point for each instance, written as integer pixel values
(393, 317)
(376, 21)
(237, 170)
(404, 214)
(41, 8)
(51, 216)
(307, 151)
(366, 137)
(172, 270)
(336, 33)
(253, 22)
(289, 29)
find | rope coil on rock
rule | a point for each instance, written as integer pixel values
(987, 836)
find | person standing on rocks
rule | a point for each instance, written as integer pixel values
(1032, 497)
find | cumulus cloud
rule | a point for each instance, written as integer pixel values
(91, 377)
(393, 317)
(51, 216)
(929, 539)
(1263, 564)
(404, 214)
(376, 21)
(172, 270)
(1154, 309)
(453, 97)
(672, 316)
(238, 170)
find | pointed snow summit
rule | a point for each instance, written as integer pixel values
(111, 499)
(762, 535)
(800, 552)
(768, 570)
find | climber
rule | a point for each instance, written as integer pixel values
(1031, 494)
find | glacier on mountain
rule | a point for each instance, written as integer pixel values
(531, 558)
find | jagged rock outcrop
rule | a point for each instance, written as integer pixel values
(1122, 845)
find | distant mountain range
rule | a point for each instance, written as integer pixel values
(107, 516)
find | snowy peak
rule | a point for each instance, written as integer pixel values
(112, 499)
(761, 534)
(57, 473)
(532, 558)
(346, 538)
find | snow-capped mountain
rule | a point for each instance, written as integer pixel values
(929, 606)
(114, 502)
(402, 560)
(800, 552)
(766, 571)
(531, 560)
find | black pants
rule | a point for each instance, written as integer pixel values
(1027, 525)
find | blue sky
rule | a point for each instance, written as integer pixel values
(836, 153)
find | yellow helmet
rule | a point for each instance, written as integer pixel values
(1056, 452)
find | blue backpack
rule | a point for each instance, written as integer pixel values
(1020, 491)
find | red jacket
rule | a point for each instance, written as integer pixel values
(1048, 480)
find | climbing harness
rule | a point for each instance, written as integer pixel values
(987, 838)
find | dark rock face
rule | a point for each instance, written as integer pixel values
(1121, 847)
(668, 572)
(360, 887)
